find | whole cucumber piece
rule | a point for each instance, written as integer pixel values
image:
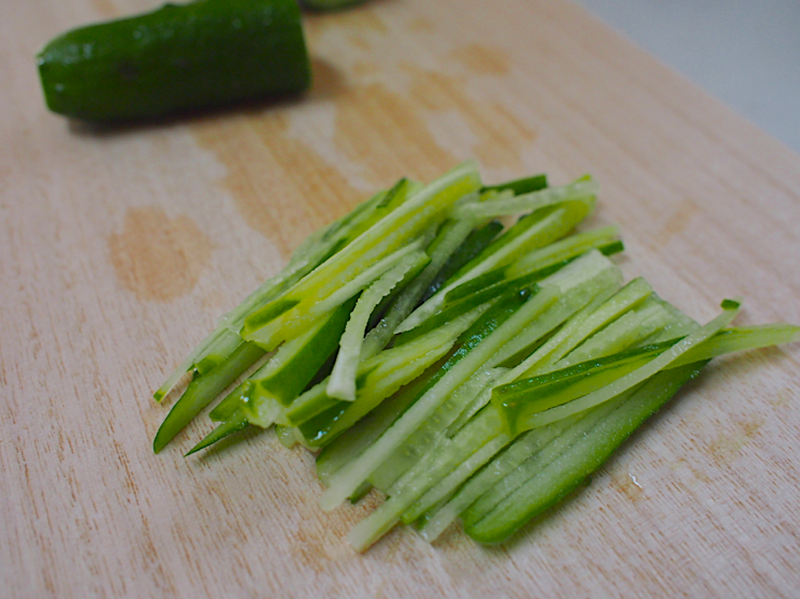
(206, 53)
(323, 5)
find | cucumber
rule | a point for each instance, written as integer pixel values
(326, 5)
(477, 375)
(205, 53)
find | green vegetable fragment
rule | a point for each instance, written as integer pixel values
(203, 390)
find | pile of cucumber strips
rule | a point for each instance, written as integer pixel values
(463, 367)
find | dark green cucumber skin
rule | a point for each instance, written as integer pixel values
(207, 53)
(325, 5)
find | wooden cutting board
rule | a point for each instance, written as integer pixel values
(120, 248)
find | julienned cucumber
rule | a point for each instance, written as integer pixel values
(205, 53)
(482, 374)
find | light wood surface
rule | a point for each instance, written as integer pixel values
(120, 248)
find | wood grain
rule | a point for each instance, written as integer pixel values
(119, 249)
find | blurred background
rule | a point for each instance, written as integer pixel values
(746, 54)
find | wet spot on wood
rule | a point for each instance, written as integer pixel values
(365, 69)
(501, 136)
(157, 257)
(782, 398)
(677, 222)
(105, 8)
(359, 41)
(328, 82)
(294, 166)
(357, 20)
(682, 463)
(422, 24)
(483, 60)
(626, 484)
(385, 132)
(729, 444)
(281, 187)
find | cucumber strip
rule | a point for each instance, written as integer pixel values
(379, 377)
(296, 362)
(740, 339)
(315, 400)
(280, 381)
(452, 309)
(569, 431)
(505, 307)
(342, 382)
(448, 452)
(579, 190)
(523, 447)
(217, 346)
(449, 240)
(328, 425)
(222, 345)
(679, 324)
(531, 236)
(606, 239)
(364, 432)
(369, 276)
(286, 436)
(427, 437)
(630, 329)
(580, 284)
(589, 321)
(558, 387)
(228, 405)
(586, 271)
(313, 251)
(519, 401)
(730, 309)
(578, 297)
(541, 232)
(520, 186)
(186, 365)
(414, 483)
(426, 208)
(441, 491)
(236, 422)
(470, 248)
(584, 457)
(558, 253)
(591, 278)
(583, 323)
(605, 342)
(351, 476)
(201, 391)
(498, 278)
